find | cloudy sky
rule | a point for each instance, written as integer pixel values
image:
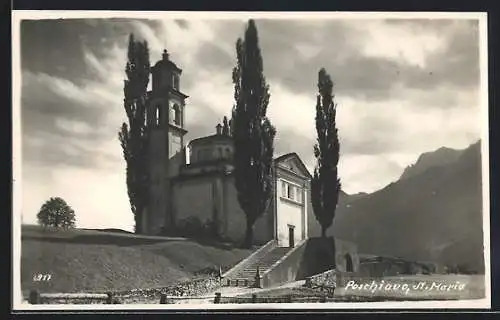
(403, 87)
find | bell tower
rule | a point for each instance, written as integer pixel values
(166, 131)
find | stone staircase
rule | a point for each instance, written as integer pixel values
(245, 276)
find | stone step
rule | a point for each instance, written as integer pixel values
(263, 262)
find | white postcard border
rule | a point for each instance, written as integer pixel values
(17, 16)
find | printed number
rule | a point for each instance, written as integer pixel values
(42, 277)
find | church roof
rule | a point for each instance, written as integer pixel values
(299, 161)
(161, 63)
(167, 62)
(212, 137)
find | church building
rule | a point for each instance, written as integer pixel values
(199, 183)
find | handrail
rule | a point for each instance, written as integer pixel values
(274, 265)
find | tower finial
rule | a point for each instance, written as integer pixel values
(165, 54)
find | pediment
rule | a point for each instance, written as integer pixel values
(293, 163)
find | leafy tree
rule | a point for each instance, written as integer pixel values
(133, 137)
(55, 212)
(325, 184)
(253, 134)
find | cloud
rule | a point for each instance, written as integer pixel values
(365, 173)
(402, 44)
(401, 125)
(366, 73)
(55, 47)
(62, 122)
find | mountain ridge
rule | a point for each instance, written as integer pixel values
(439, 157)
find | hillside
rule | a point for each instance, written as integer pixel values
(428, 216)
(98, 261)
(356, 196)
(440, 157)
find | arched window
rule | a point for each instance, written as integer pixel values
(176, 114)
(175, 81)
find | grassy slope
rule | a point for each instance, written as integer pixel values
(96, 261)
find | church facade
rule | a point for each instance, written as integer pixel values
(198, 183)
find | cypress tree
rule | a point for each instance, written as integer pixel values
(132, 136)
(253, 134)
(325, 184)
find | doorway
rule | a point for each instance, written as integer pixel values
(348, 263)
(291, 236)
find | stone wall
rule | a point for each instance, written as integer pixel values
(194, 198)
(318, 257)
(197, 287)
(330, 279)
(327, 278)
(194, 288)
(287, 270)
(383, 267)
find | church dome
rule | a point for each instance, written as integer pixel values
(216, 147)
